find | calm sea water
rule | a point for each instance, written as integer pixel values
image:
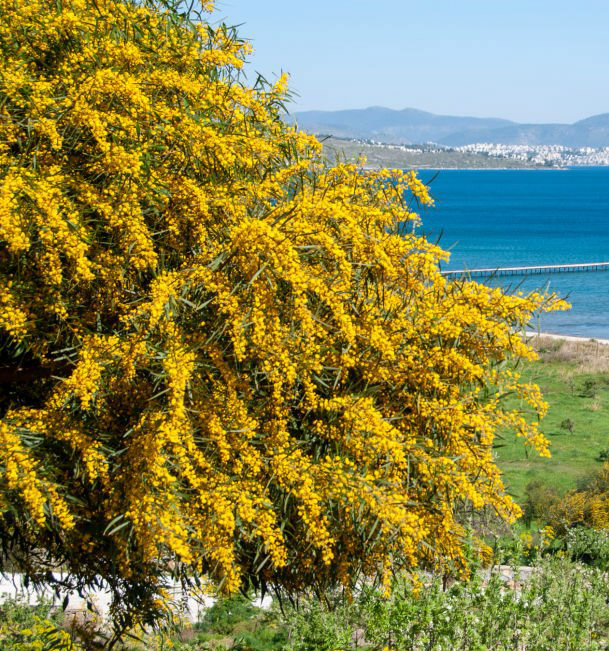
(509, 218)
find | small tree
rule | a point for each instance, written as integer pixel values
(220, 357)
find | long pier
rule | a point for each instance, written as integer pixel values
(528, 271)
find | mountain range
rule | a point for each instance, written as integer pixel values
(411, 126)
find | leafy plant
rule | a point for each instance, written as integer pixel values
(590, 388)
(567, 424)
(225, 614)
(561, 605)
(32, 628)
(539, 498)
(585, 545)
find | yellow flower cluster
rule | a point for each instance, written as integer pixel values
(582, 508)
(252, 372)
(13, 316)
(41, 635)
(20, 474)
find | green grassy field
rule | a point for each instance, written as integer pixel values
(574, 378)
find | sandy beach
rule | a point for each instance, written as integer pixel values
(539, 335)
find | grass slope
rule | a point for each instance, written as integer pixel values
(574, 378)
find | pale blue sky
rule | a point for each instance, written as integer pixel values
(525, 60)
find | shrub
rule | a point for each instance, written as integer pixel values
(585, 545)
(597, 482)
(562, 605)
(221, 357)
(225, 614)
(539, 498)
(590, 388)
(32, 628)
(238, 622)
(587, 506)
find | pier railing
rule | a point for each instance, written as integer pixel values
(528, 271)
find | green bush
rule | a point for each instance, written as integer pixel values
(225, 614)
(315, 626)
(237, 624)
(563, 606)
(539, 497)
(32, 628)
(585, 545)
(590, 388)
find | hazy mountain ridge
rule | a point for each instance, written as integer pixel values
(411, 126)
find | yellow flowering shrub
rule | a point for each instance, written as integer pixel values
(587, 507)
(42, 635)
(221, 357)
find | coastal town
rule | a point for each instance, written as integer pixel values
(472, 156)
(544, 155)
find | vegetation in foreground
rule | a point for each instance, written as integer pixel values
(561, 606)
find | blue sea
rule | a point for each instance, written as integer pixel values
(510, 218)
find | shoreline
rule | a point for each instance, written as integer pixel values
(492, 169)
(538, 335)
(421, 168)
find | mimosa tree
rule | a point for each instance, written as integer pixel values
(219, 357)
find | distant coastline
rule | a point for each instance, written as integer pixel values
(383, 156)
(548, 335)
(475, 169)
(476, 156)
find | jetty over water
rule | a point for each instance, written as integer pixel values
(528, 271)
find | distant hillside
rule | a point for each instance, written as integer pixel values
(416, 156)
(411, 126)
(591, 132)
(386, 125)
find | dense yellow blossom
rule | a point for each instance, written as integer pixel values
(588, 507)
(241, 366)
